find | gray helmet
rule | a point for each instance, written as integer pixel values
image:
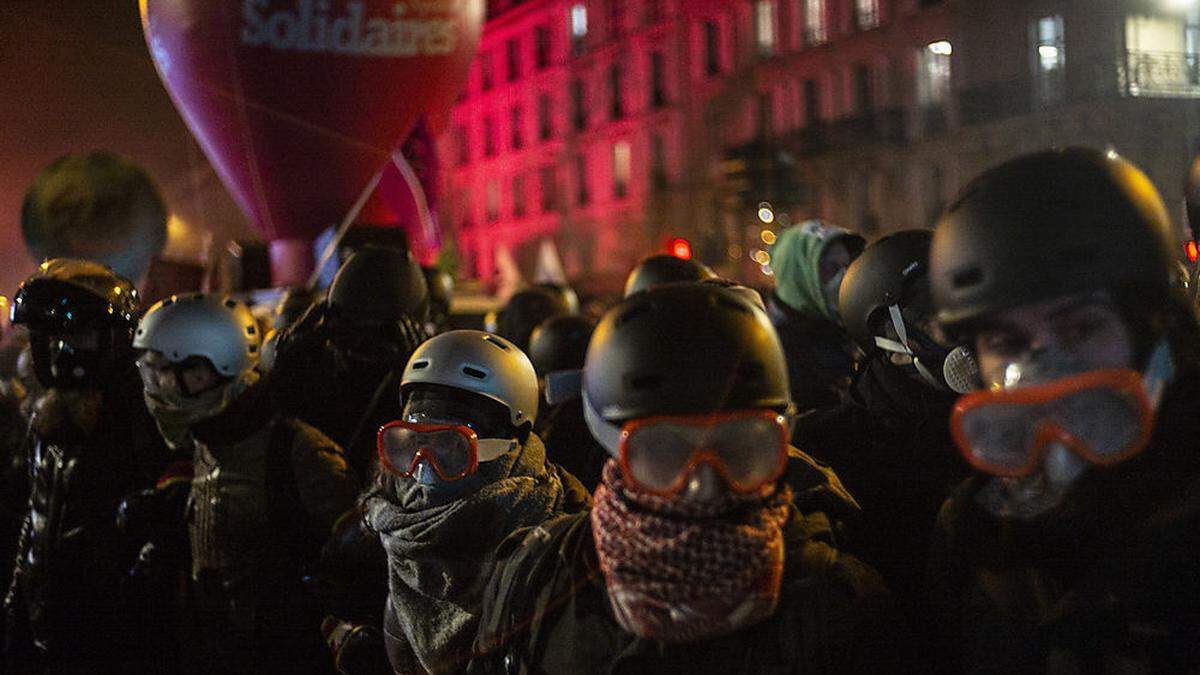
(221, 330)
(481, 363)
(1049, 224)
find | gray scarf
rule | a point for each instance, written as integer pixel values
(440, 551)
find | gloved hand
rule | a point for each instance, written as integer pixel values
(158, 515)
(357, 649)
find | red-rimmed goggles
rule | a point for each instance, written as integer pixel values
(1102, 416)
(453, 451)
(747, 448)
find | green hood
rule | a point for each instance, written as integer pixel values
(796, 262)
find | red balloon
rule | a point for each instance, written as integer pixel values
(297, 103)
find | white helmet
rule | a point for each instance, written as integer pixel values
(480, 363)
(221, 330)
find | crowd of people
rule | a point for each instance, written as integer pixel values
(966, 449)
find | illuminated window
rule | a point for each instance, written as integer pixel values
(866, 14)
(764, 26)
(621, 161)
(933, 78)
(1049, 58)
(815, 31)
(579, 27)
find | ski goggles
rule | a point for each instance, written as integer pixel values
(1102, 416)
(747, 448)
(454, 451)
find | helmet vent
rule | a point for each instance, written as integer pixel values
(251, 330)
(474, 372)
(420, 365)
(492, 339)
(253, 348)
(971, 277)
(229, 302)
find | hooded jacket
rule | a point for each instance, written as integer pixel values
(440, 551)
(547, 610)
(820, 355)
(1108, 581)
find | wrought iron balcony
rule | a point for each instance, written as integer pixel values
(1164, 74)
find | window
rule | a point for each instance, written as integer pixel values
(545, 118)
(616, 108)
(863, 101)
(549, 184)
(933, 78)
(541, 47)
(1049, 59)
(515, 120)
(489, 137)
(518, 188)
(764, 26)
(1162, 55)
(579, 27)
(462, 149)
(583, 196)
(866, 14)
(620, 154)
(812, 102)
(815, 31)
(578, 111)
(658, 89)
(712, 48)
(766, 110)
(614, 18)
(513, 49)
(658, 161)
(654, 12)
(493, 201)
(485, 70)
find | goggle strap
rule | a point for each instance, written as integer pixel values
(892, 346)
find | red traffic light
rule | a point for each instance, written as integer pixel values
(1192, 251)
(681, 248)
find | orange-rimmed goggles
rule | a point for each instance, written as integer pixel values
(747, 448)
(1102, 416)
(454, 451)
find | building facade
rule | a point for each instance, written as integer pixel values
(609, 127)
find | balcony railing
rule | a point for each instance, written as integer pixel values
(1167, 74)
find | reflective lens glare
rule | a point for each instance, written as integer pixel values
(1103, 416)
(748, 449)
(450, 450)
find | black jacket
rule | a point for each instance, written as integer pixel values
(820, 356)
(570, 444)
(547, 611)
(889, 442)
(1109, 579)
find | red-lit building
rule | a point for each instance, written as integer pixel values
(611, 127)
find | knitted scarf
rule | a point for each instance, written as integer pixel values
(681, 572)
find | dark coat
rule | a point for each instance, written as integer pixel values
(547, 611)
(570, 444)
(820, 356)
(1108, 580)
(889, 442)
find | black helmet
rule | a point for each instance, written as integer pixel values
(525, 310)
(664, 269)
(292, 305)
(885, 274)
(682, 349)
(440, 285)
(379, 284)
(560, 343)
(564, 291)
(1050, 224)
(71, 297)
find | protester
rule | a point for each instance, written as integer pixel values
(525, 310)
(266, 492)
(92, 444)
(338, 368)
(1073, 547)
(695, 557)
(660, 269)
(557, 349)
(889, 440)
(462, 469)
(809, 261)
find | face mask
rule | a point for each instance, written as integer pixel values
(830, 290)
(1050, 420)
(956, 369)
(175, 415)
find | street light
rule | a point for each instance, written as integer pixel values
(765, 213)
(941, 48)
(1181, 4)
